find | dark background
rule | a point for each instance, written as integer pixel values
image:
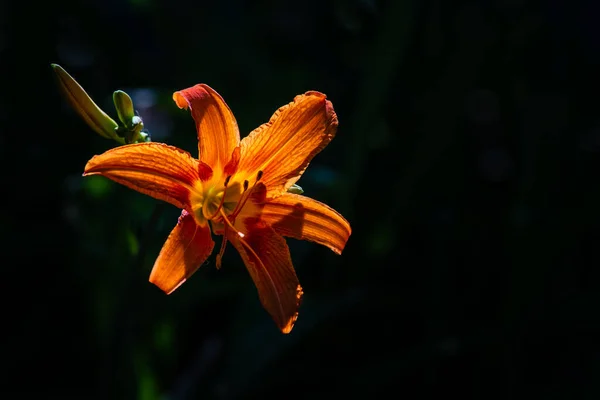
(467, 161)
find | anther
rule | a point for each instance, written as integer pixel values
(222, 250)
(227, 180)
(246, 195)
(240, 237)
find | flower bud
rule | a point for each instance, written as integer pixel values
(96, 119)
(124, 107)
(296, 189)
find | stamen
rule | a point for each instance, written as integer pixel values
(243, 201)
(224, 242)
(222, 250)
(222, 198)
(240, 238)
(228, 223)
(230, 226)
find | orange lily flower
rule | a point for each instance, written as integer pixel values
(240, 189)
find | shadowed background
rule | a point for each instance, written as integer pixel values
(467, 162)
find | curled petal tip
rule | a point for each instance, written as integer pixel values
(180, 101)
(183, 99)
(315, 93)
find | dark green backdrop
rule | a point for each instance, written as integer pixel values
(467, 161)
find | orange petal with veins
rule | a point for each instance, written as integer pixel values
(268, 261)
(217, 128)
(186, 248)
(155, 169)
(283, 147)
(303, 218)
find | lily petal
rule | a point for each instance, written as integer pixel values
(186, 248)
(155, 169)
(267, 258)
(303, 218)
(217, 128)
(283, 147)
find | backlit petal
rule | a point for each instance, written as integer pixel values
(186, 248)
(283, 147)
(304, 218)
(217, 128)
(163, 172)
(267, 258)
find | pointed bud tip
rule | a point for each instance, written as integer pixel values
(59, 70)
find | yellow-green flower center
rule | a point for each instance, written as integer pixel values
(217, 198)
(208, 203)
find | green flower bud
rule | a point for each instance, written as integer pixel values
(124, 107)
(96, 119)
(296, 189)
